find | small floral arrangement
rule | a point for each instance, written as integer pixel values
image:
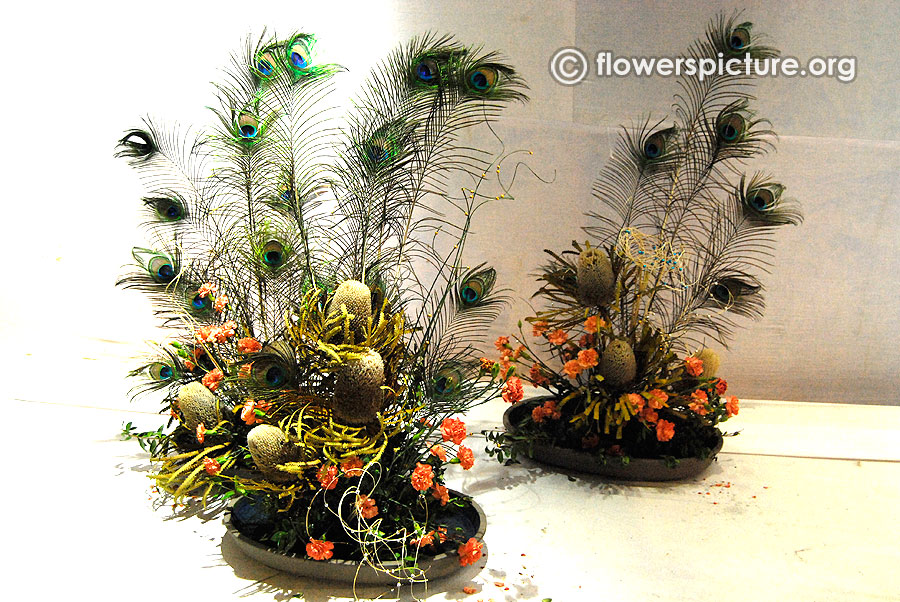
(616, 387)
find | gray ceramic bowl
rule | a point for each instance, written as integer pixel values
(345, 571)
(638, 469)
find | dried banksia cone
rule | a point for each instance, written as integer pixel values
(357, 388)
(617, 364)
(595, 277)
(357, 298)
(198, 404)
(710, 362)
(269, 447)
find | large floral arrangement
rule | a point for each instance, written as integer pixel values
(325, 323)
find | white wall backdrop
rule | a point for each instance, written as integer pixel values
(77, 75)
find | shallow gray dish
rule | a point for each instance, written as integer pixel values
(346, 571)
(638, 469)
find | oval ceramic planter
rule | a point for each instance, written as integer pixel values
(347, 571)
(637, 469)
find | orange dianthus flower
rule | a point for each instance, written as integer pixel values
(201, 432)
(469, 552)
(538, 328)
(693, 365)
(732, 405)
(211, 466)
(440, 493)
(537, 377)
(593, 323)
(319, 549)
(422, 477)
(699, 399)
(721, 386)
(453, 430)
(649, 415)
(206, 289)
(657, 399)
(665, 430)
(588, 358)
(366, 506)
(486, 364)
(501, 343)
(513, 391)
(572, 368)
(212, 379)
(352, 467)
(328, 476)
(248, 345)
(221, 303)
(466, 457)
(558, 337)
(248, 414)
(438, 450)
(636, 401)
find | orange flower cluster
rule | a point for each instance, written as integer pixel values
(438, 450)
(513, 392)
(441, 494)
(221, 303)
(732, 405)
(693, 365)
(548, 410)
(466, 457)
(248, 345)
(328, 476)
(699, 401)
(207, 289)
(453, 430)
(422, 477)
(537, 377)
(216, 334)
(212, 379)
(352, 467)
(248, 412)
(665, 430)
(366, 506)
(319, 549)
(469, 552)
(558, 337)
(211, 466)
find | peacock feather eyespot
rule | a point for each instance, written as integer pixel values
(170, 210)
(739, 38)
(298, 55)
(761, 199)
(161, 372)
(476, 286)
(427, 71)
(482, 79)
(731, 127)
(270, 373)
(161, 269)
(721, 293)
(657, 144)
(137, 144)
(247, 126)
(201, 304)
(264, 63)
(447, 381)
(273, 254)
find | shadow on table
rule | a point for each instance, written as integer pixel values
(283, 586)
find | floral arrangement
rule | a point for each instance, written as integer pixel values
(317, 371)
(621, 345)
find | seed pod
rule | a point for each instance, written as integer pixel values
(595, 278)
(198, 404)
(269, 447)
(617, 364)
(357, 388)
(357, 298)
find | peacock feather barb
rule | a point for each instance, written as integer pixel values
(677, 204)
(314, 272)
